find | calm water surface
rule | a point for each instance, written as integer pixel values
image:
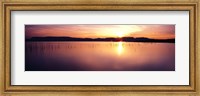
(99, 56)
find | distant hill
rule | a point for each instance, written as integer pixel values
(124, 39)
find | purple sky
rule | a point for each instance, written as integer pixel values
(98, 31)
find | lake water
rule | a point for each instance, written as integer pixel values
(99, 56)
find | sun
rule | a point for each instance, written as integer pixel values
(120, 34)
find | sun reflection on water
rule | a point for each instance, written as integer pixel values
(120, 48)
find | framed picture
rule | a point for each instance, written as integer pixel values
(100, 47)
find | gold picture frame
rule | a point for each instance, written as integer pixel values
(156, 5)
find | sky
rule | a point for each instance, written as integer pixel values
(101, 31)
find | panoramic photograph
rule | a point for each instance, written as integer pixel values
(100, 47)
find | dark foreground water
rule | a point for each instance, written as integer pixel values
(99, 56)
